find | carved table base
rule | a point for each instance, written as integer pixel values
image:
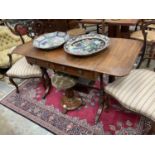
(71, 102)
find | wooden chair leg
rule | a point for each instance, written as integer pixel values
(44, 81)
(13, 82)
(47, 81)
(142, 55)
(151, 52)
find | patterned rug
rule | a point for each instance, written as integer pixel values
(47, 113)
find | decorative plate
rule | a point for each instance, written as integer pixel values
(50, 40)
(86, 44)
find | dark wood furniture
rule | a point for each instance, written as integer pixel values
(36, 27)
(116, 60)
(70, 101)
(98, 22)
(147, 35)
(120, 27)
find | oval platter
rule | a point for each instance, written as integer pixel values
(50, 40)
(85, 45)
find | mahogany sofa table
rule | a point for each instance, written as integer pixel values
(117, 60)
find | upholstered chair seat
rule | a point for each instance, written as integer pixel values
(136, 92)
(138, 35)
(76, 31)
(22, 69)
(152, 26)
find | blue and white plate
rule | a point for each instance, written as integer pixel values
(86, 44)
(50, 40)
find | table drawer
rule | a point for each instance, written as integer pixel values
(75, 71)
(69, 70)
(40, 63)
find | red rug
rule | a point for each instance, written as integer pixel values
(47, 113)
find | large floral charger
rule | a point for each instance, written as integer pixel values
(88, 44)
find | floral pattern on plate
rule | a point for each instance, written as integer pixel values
(86, 44)
(50, 40)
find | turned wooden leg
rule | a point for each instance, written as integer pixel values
(44, 81)
(70, 101)
(106, 102)
(101, 103)
(151, 52)
(103, 100)
(47, 81)
(98, 114)
(13, 82)
(69, 93)
(104, 105)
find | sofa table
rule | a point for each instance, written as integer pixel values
(117, 60)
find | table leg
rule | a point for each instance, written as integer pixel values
(113, 31)
(101, 106)
(102, 102)
(70, 101)
(47, 81)
(111, 78)
(125, 32)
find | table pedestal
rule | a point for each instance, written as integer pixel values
(70, 101)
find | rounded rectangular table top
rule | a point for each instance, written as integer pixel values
(118, 59)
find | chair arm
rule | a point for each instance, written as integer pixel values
(10, 59)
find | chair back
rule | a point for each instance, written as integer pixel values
(144, 28)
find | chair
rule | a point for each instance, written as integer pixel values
(136, 92)
(149, 41)
(28, 28)
(8, 42)
(23, 70)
